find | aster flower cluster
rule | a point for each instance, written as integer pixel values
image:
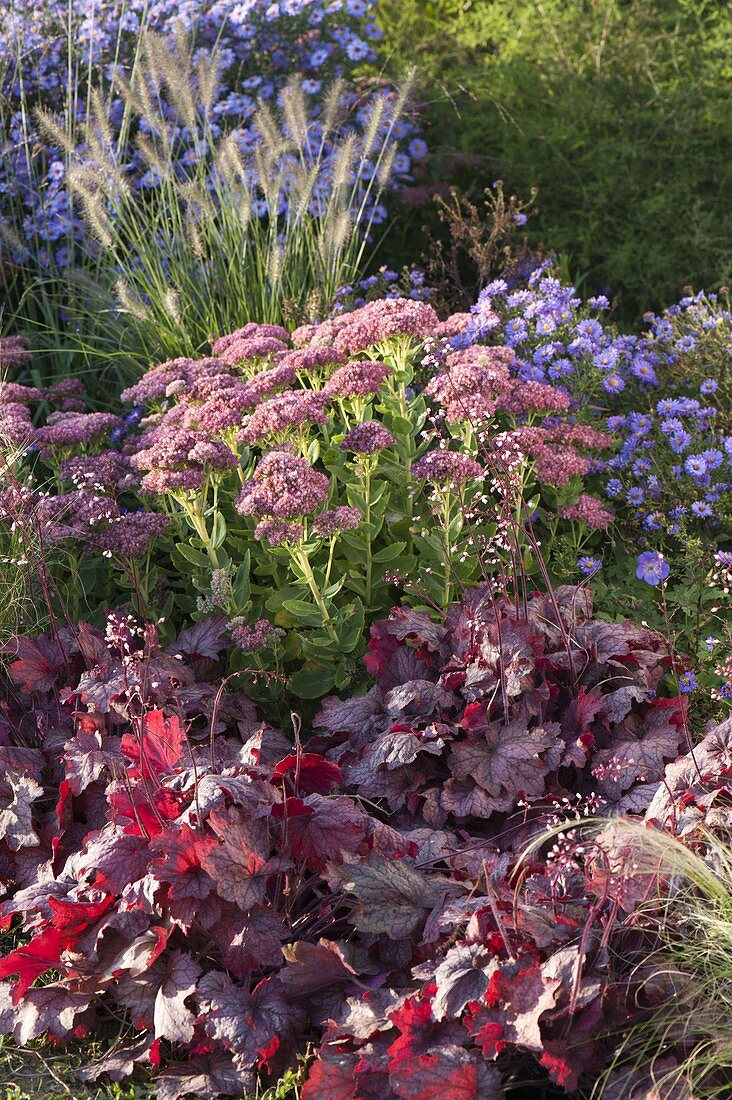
(673, 467)
(386, 283)
(259, 45)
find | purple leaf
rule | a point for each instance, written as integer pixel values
(392, 897)
(16, 819)
(509, 758)
(88, 755)
(460, 977)
(206, 638)
(238, 863)
(210, 1075)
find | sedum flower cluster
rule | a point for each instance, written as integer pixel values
(309, 469)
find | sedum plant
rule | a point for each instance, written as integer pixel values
(307, 486)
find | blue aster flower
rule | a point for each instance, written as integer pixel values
(687, 682)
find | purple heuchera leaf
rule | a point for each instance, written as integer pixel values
(211, 1075)
(88, 755)
(392, 896)
(206, 638)
(16, 818)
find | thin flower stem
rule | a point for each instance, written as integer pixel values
(300, 558)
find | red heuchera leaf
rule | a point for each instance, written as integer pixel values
(391, 662)
(43, 953)
(172, 1020)
(643, 758)
(462, 976)
(312, 966)
(308, 773)
(115, 858)
(179, 862)
(159, 751)
(331, 1076)
(207, 1075)
(510, 758)
(120, 1062)
(49, 1008)
(74, 917)
(246, 1023)
(143, 813)
(37, 665)
(238, 864)
(449, 1071)
(248, 941)
(320, 830)
(517, 997)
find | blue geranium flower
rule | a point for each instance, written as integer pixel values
(651, 567)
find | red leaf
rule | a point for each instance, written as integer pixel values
(145, 815)
(331, 1076)
(35, 958)
(308, 773)
(73, 917)
(319, 830)
(450, 1072)
(160, 748)
(38, 663)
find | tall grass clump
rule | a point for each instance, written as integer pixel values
(142, 93)
(264, 230)
(684, 1044)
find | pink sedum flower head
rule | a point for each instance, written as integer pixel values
(110, 470)
(13, 352)
(452, 467)
(590, 510)
(335, 520)
(523, 397)
(251, 331)
(173, 481)
(282, 412)
(277, 532)
(454, 325)
(309, 360)
(358, 379)
(71, 429)
(23, 395)
(367, 437)
(283, 485)
(154, 384)
(213, 455)
(255, 347)
(261, 635)
(16, 425)
(130, 534)
(382, 320)
(268, 382)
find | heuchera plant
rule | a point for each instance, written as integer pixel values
(306, 486)
(237, 898)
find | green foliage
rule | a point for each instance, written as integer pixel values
(618, 111)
